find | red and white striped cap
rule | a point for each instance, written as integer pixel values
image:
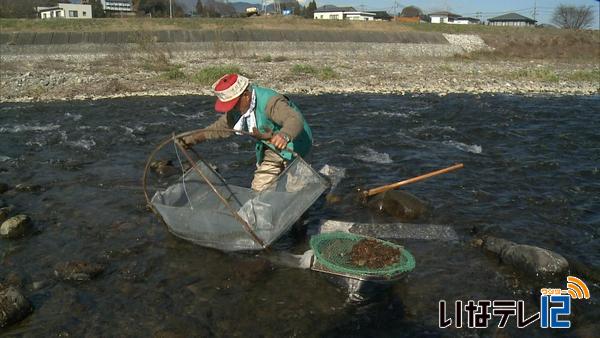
(228, 90)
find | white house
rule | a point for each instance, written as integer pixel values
(66, 11)
(443, 17)
(329, 12)
(117, 5)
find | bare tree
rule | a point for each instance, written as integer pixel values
(573, 17)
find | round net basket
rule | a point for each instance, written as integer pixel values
(362, 256)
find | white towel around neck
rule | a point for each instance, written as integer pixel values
(247, 122)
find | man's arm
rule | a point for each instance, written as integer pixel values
(224, 122)
(279, 111)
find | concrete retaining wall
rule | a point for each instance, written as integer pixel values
(186, 36)
(236, 49)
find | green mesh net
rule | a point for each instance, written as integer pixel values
(361, 256)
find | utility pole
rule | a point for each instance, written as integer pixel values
(170, 9)
(264, 7)
(534, 9)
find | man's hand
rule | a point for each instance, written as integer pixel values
(280, 141)
(190, 140)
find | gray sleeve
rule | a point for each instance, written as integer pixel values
(279, 111)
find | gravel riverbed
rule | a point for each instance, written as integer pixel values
(330, 68)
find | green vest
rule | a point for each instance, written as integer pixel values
(301, 144)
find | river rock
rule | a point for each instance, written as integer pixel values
(23, 187)
(528, 258)
(13, 306)
(78, 271)
(399, 204)
(164, 168)
(3, 215)
(15, 226)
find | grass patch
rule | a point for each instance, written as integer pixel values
(324, 73)
(174, 73)
(446, 68)
(209, 75)
(304, 69)
(585, 75)
(327, 73)
(537, 74)
(266, 58)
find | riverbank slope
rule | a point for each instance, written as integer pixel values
(294, 56)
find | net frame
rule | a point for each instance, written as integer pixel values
(320, 242)
(225, 201)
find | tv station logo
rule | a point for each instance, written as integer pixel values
(555, 307)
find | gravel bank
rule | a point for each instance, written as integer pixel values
(353, 68)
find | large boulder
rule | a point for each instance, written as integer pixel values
(399, 204)
(13, 306)
(534, 259)
(15, 227)
(527, 258)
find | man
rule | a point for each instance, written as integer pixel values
(248, 107)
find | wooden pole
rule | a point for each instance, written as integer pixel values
(384, 188)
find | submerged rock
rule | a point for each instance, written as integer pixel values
(528, 258)
(164, 168)
(4, 188)
(3, 215)
(78, 271)
(22, 187)
(13, 306)
(15, 227)
(399, 204)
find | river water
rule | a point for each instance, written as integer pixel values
(532, 175)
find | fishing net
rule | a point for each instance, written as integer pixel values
(194, 211)
(360, 256)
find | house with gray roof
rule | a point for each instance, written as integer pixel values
(330, 12)
(511, 19)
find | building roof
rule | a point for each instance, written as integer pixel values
(468, 18)
(511, 17)
(46, 8)
(332, 8)
(382, 15)
(444, 13)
